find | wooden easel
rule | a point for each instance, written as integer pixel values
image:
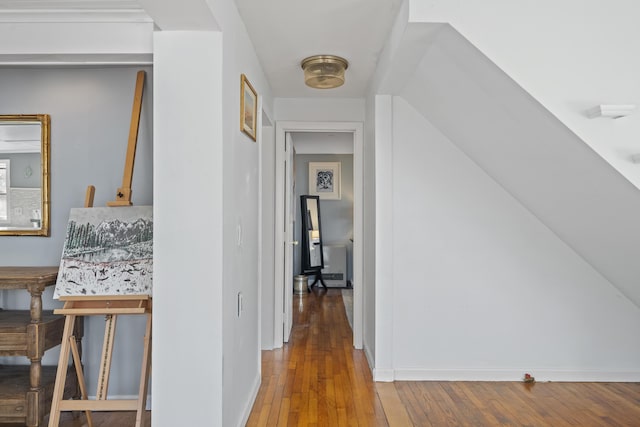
(109, 306)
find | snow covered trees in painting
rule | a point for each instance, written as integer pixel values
(107, 251)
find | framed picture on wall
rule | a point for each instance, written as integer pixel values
(325, 180)
(248, 107)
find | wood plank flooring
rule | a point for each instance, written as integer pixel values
(436, 403)
(318, 379)
(100, 419)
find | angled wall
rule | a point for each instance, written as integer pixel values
(482, 289)
(561, 180)
(504, 224)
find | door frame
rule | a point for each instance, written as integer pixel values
(355, 128)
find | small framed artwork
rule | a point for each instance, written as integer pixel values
(248, 107)
(324, 180)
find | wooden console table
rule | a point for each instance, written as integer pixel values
(26, 391)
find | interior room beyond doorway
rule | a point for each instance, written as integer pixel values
(334, 150)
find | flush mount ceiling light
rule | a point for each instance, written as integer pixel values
(324, 71)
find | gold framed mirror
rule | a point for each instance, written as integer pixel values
(24, 175)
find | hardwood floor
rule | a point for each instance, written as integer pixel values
(318, 379)
(100, 419)
(439, 403)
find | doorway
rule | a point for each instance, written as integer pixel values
(284, 238)
(329, 156)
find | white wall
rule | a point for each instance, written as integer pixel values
(481, 288)
(570, 56)
(267, 255)
(240, 226)
(90, 115)
(384, 238)
(319, 110)
(233, 267)
(188, 269)
(577, 194)
(369, 221)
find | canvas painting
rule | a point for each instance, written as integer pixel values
(107, 251)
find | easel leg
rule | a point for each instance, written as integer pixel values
(77, 361)
(144, 375)
(107, 352)
(61, 374)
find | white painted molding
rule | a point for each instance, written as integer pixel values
(56, 60)
(383, 375)
(610, 111)
(357, 129)
(541, 375)
(74, 15)
(369, 355)
(249, 405)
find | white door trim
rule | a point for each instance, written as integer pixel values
(358, 204)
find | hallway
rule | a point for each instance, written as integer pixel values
(318, 378)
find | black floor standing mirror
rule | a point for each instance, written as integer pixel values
(311, 257)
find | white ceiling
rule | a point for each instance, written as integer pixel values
(283, 32)
(286, 31)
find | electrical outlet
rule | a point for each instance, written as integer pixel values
(17, 211)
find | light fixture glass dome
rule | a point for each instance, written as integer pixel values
(324, 71)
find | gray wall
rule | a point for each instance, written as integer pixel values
(336, 215)
(90, 114)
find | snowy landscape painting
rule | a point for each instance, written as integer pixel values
(107, 251)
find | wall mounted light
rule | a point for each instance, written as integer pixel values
(610, 111)
(324, 71)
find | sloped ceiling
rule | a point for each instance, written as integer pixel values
(525, 149)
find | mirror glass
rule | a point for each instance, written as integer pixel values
(24, 175)
(312, 258)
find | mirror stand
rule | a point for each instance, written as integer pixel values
(312, 258)
(318, 278)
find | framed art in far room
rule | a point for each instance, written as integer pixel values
(248, 107)
(325, 180)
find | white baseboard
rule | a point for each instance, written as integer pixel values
(541, 375)
(383, 375)
(247, 408)
(369, 355)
